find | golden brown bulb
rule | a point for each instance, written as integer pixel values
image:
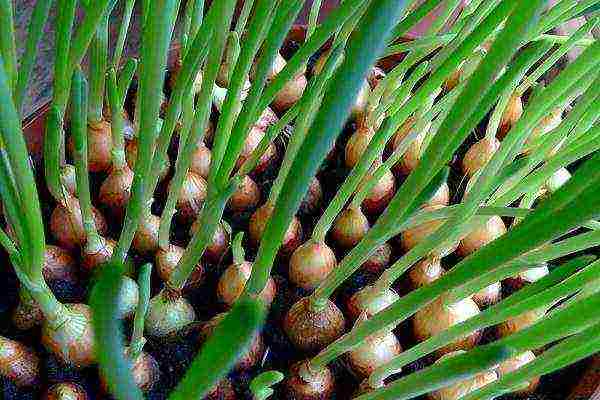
(462, 388)
(167, 260)
(18, 363)
(59, 264)
(373, 352)
(513, 364)
(234, 279)
(357, 144)
(258, 223)
(413, 236)
(65, 391)
(512, 113)
(425, 272)
(479, 154)
(305, 383)
(145, 240)
(191, 197)
(349, 228)
(66, 224)
(480, 236)
(310, 264)
(116, 190)
(369, 301)
(246, 197)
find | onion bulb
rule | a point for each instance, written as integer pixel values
(375, 76)
(145, 240)
(512, 113)
(72, 341)
(462, 388)
(128, 298)
(18, 363)
(520, 322)
(481, 235)
(488, 295)
(380, 195)
(267, 118)
(222, 391)
(59, 264)
(546, 124)
(145, 371)
(291, 92)
(191, 196)
(359, 107)
(310, 264)
(558, 179)
(65, 391)
(201, 160)
(412, 155)
(413, 236)
(349, 228)
(28, 312)
(250, 358)
(306, 383)
(513, 364)
(218, 247)
(66, 224)
(313, 198)
(246, 197)
(258, 223)
(96, 253)
(357, 144)
(528, 276)
(369, 301)
(252, 141)
(233, 280)
(479, 154)
(168, 313)
(425, 272)
(99, 141)
(313, 328)
(167, 260)
(373, 352)
(379, 260)
(438, 316)
(115, 191)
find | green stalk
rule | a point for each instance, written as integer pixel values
(562, 12)
(156, 40)
(424, 42)
(98, 66)
(362, 49)
(119, 161)
(237, 249)
(125, 77)
(313, 17)
(137, 337)
(79, 130)
(569, 351)
(8, 49)
(240, 25)
(260, 386)
(310, 104)
(560, 283)
(230, 138)
(443, 373)
(35, 31)
(412, 19)
(122, 35)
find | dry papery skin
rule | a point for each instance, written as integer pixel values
(411, 237)
(425, 272)
(380, 195)
(167, 260)
(18, 363)
(310, 264)
(234, 279)
(512, 113)
(65, 391)
(304, 383)
(191, 197)
(66, 224)
(480, 236)
(313, 198)
(369, 301)
(115, 191)
(479, 154)
(145, 240)
(311, 329)
(375, 351)
(461, 389)
(411, 157)
(167, 315)
(379, 260)
(520, 322)
(515, 363)
(349, 228)
(357, 144)
(98, 254)
(258, 223)
(145, 372)
(246, 197)
(59, 264)
(99, 142)
(252, 141)
(218, 246)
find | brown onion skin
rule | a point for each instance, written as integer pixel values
(66, 224)
(462, 388)
(223, 391)
(73, 341)
(18, 363)
(413, 236)
(479, 154)
(252, 141)
(310, 264)
(99, 140)
(290, 93)
(411, 157)
(234, 279)
(373, 352)
(380, 195)
(96, 257)
(303, 384)
(192, 195)
(311, 329)
(168, 313)
(488, 296)
(515, 363)
(167, 260)
(145, 240)
(349, 228)
(27, 315)
(375, 76)
(441, 197)
(357, 144)
(246, 197)
(526, 277)
(425, 272)
(216, 250)
(253, 355)
(68, 178)
(512, 113)
(258, 223)
(116, 190)
(65, 391)
(437, 317)
(519, 322)
(360, 104)
(267, 119)
(368, 302)
(379, 260)
(313, 198)
(480, 236)
(201, 160)
(59, 264)
(145, 371)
